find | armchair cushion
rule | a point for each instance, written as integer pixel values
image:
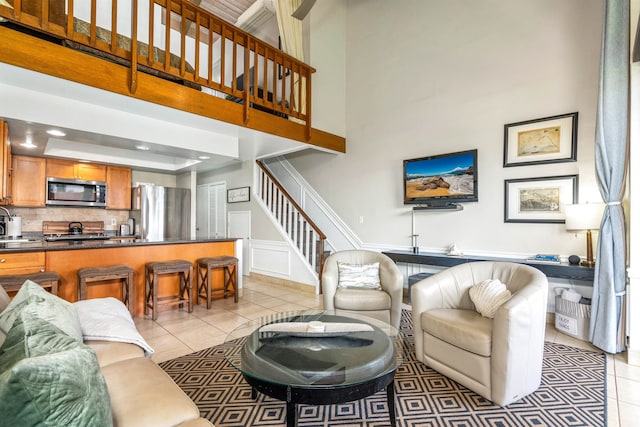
(465, 329)
(362, 299)
(488, 296)
(359, 276)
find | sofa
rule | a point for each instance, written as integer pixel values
(81, 364)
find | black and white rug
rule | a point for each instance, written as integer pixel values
(573, 393)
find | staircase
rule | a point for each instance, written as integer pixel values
(300, 231)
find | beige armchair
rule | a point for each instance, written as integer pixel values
(499, 358)
(385, 304)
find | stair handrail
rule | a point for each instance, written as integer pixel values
(292, 200)
(321, 236)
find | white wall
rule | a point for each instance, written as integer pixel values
(427, 78)
(161, 179)
(327, 53)
(241, 175)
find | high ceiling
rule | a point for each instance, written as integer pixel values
(229, 10)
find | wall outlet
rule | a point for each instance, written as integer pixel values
(113, 221)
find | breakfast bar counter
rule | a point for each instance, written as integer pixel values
(67, 257)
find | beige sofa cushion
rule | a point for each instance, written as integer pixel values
(465, 329)
(143, 395)
(109, 352)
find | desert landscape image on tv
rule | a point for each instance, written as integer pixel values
(440, 177)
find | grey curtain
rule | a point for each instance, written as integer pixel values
(607, 310)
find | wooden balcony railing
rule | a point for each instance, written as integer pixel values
(196, 48)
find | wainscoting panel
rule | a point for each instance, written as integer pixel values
(271, 258)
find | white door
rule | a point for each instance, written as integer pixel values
(211, 207)
(240, 227)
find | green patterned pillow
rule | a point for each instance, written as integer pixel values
(33, 299)
(359, 276)
(49, 378)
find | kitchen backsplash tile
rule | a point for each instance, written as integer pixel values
(32, 218)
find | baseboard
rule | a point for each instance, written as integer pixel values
(284, 282)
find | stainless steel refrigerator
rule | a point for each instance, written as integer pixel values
(161, 212)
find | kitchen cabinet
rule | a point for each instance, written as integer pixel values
(118, 187)
(28, 181)
(76, 170)
(22, 262)
(5, 164)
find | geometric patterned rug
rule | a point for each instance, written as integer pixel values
(573, 393)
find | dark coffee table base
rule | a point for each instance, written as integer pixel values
(329, 395)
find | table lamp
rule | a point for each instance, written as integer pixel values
(584, 216)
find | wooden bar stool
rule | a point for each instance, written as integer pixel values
(153, 270)
(90, 275)
(47, 279)
(205, 267)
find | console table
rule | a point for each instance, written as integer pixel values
(561, 271)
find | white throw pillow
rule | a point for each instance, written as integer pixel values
(359, 276)
(488, 296)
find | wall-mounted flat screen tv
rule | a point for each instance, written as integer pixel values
(441, 180)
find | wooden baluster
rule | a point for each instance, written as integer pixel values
(183, 35)
(196, 71)
(247, 81)
(44, 16)
(307, 126)
(114, 25)
(93, 24)
(150, 48)
(167, 36)
(223, 59)
(70, 26)
(210, 64)
(133, 84)
(17, 9)
(255, 94)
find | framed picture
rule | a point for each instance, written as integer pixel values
(235, 195)
(548, 140)
(539, 199)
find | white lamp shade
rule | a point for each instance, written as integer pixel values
(583, 216)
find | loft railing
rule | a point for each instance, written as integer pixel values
(299, 228)
(204, 50)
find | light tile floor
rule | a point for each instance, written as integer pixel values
(176, 333)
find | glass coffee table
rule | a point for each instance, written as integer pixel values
(317, 358)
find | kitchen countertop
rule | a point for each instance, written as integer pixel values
(114, 242)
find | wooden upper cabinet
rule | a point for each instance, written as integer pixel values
(28, 181)
(74, 170)
(5, 164)
(61, 168)
(91, 172)
(118, 187)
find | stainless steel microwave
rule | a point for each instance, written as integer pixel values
(74, 192)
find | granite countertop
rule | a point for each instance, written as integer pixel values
(38, 244)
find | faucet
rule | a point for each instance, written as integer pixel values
(9, 216)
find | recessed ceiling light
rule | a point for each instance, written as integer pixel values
(28, 141)
(204, 157)
(142, 147)
(56, 132)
